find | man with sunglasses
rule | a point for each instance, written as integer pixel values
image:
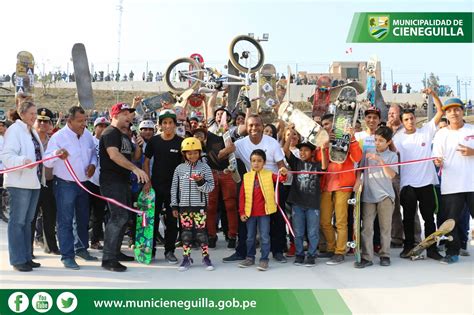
(417, 180)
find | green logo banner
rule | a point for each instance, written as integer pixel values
(411, 27)
(173, 301)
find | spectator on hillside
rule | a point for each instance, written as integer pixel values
(400, 88)
(384, 87)
(408, 86)
(394, 88)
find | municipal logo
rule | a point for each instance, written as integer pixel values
(66, 302)
(18, 302)
(42, 302)
(379, 26)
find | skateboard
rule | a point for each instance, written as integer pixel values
(233, 92)
(305, 126)
(143, 247)
(155, 103)
(267, 89)
(439, 234)
(25, 75)
(344, 117)
(82, 76)
(371, 81)
(355, 244)
(232, 168)
(181, 112)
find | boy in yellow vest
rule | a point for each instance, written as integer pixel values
(257, 202)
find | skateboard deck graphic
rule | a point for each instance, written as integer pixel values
(154, 103)
(444, 229)
(24, 76)
(343, 120)
(82, 76)
(355, 244)
(371, 81)
(144, 235)
(232, 160)
(305, 126)
(267, 89)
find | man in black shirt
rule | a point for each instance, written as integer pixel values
(165, 149)
(116, 153)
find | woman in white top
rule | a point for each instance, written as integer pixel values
(22, 146)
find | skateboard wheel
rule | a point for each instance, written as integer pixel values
(351, 201)
(450, 238)
(147, 250)
(133, 246)
(353, 245)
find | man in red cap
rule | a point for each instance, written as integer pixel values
(115, 153)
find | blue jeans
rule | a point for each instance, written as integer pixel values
(22, 210)
(73, 207)
(263, 223)
(304, 218)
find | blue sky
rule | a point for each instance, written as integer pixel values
(307, 35)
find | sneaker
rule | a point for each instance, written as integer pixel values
(52, 252)
(326, 255)
(464, 252)
(247, 263)
(433, 254)
(299, 260)
(171, 258)
(291, 251)
(233, 258)
(405, 252)
(310, 261)
(363, 263)
(336, 260)
(84, 254)
(449, 259)
(33, 264)
(23, 267)
(232, 243)
(212, 241)
(96, 245)
(113, 265)
(185, 264)
(70, 263)
(385, 261)
(280, 258)
(123, 257)
(206, 261)
(263, 265)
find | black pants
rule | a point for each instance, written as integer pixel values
(278, 226)
(453, 207)
(97, 213)
(115, 227)
(47, 206)
(409, 198)
(162, 206)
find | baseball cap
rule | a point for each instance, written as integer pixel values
(372, 110)
(44, 114)
(148, 124)
(306, 144)
(167, 113)
(452, 102)
(101, 120)
(117, 108)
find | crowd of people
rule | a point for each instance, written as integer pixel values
(196, 195)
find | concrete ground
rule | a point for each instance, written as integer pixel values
(406, 287)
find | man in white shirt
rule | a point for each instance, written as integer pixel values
(453, 147)
(275, 160)
(72, 201)
(417, 180)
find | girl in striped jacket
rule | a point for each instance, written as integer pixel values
(192, 182)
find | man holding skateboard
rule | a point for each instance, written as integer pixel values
(116, 153)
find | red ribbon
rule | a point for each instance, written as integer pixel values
(338, 172)
(76, 179)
